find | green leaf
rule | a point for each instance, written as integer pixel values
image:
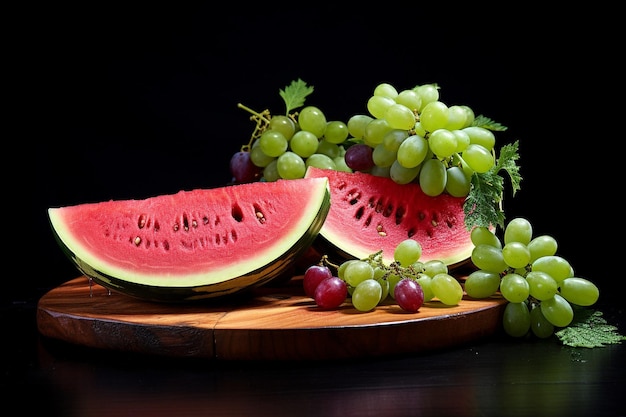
(589, 329)
(487, 123)
(295, 94)
(483, 206)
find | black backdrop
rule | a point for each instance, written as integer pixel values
(132, 102)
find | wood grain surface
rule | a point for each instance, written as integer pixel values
(269, 323)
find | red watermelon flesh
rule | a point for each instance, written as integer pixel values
(370, 213)
(241, 234)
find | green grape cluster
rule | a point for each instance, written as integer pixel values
(416, 137)
(540, 286)
(410, 136)
(286, 145)
(407, 281)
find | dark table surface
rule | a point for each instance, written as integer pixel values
(493, 376)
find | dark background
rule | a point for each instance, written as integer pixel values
(132, 102)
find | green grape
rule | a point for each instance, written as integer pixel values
(393, 279)
(394, 138)
(579, 291)
(443, 143)
(412, 151)
(357, 124)
(384, 285)
(312, 120)
(478, 158)
(481, 136)
(540, 246)
(386, 90)
(290, 166)
(447, 289)
(402, 175)
(542, 285)
(518, 230)
(284, 125)
(273, 143)
(330, 149)
(469, 115)
(462, 140)
(539, 325)
(557, 310)
(516, 319)
(516, 254)
(407, 252)
(380, 171)
(434, 116)
(340, 164)
(425, 281)
(427, 93)
(382, 156)
(375, 131)
(457, 184)
(457, 117)
(482, 284)
(303, 143)
(514, 288)
(555, 266)
(319, 160)
(270, 172)
(419, 130)
(435, 266)
(336, 132)
(482, 235)
(258, 157)
(410, 99)
(378, 105)
(342, 268)
(488, 258)
(356, 272)
(366, 295)
(432, 177)
(400, 116)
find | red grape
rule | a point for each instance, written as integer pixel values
(331, 293)
(359, 157)
(313, 276)
(409, 295)
(243, 169)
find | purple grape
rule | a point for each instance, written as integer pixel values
(409, 295)
(331, 293)
(243, 169)
(359, 157)
(313, 276)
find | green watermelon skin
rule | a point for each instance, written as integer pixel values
(371, 213)
(194, 245)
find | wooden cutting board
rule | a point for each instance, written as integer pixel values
(270, 323)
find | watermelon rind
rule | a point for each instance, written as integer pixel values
(371, 213)
(221, 274)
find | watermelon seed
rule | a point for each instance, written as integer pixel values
(137, 241)
(260, 216)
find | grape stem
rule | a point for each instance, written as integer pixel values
(262, 121)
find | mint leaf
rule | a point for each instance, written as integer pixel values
(295, 94)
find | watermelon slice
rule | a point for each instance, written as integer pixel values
(194, 244)
(371, 213)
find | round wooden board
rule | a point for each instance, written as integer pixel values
(270, 323)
